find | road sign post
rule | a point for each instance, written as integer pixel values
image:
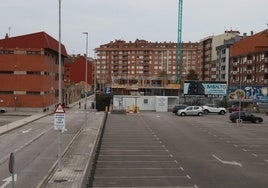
(59, 124)
(11, 167)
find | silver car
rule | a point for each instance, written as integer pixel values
(191, 111)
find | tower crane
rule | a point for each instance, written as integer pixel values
(179, 46)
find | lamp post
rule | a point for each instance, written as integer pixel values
(86, 33)
(95, 81)
(60, 90)
(60, 64)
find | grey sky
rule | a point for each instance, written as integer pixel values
(152, 20)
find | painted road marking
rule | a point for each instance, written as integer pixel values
(26, 131)
(227, 162)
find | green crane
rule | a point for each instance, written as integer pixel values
(179, 48)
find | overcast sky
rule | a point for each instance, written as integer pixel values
(152, 20)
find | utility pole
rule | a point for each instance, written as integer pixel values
(60, 91)
(86, 33)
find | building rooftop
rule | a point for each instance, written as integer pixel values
(31, 41)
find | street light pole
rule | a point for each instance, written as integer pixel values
(60, 64)
(60, 91)
(86, 74)
(95, 81)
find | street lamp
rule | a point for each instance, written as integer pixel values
(86, 33)
(95, 80)
(60, 92)
(60, 64)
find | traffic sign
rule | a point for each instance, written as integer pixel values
(59, 109)
(59, 118)
(108, 90)
(59, 121)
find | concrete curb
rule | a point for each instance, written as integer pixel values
(19, 123)
(87, 164)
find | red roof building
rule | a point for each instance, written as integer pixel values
(29, 71)
(249, 60)
(75, 70)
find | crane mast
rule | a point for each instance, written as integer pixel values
(179, 46)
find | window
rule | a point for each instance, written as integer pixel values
(33, 52)
(6, 92)
(33, 92)
(6, 72)
(33, 72)
(145, 101)
(6, 52)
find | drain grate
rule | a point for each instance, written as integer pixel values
(60, 181)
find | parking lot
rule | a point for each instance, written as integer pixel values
(165, 150)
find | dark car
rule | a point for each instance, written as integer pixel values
(245, 116)
(2, 110)
(235, 108)
(178, 107)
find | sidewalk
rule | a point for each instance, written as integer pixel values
(16, 124)
(77, 159)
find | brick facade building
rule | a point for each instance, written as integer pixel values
(75, 67)
(149, 67)
(29, 71)
(249, 60)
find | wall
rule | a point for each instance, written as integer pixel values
(145, 103)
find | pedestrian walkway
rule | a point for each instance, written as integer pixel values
(77, 159)
(16, 124)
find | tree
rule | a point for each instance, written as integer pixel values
(192, 75)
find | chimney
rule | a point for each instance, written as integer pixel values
(251, 32)
(6, 37)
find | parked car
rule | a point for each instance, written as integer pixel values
(245, 116)
(2, 110)
(212, 108)
(190, 110)
(235, 108)
(178, 107)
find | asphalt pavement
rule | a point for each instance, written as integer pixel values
(77, 157)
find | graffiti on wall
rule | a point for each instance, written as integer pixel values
(249, 93)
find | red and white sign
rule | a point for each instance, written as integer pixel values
(59, 118)
(59, 109)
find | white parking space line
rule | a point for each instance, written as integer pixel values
(254, 154)
(189, 177)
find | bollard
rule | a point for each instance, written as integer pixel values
(106, 109)
(239, 122)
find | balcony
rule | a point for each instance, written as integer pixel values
(249, 62)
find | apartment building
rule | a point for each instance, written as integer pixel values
(249, 60)
(223, 59)
(29, 71)
(149, 67)
(190, 59)
(209, 54)
(138, 66)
